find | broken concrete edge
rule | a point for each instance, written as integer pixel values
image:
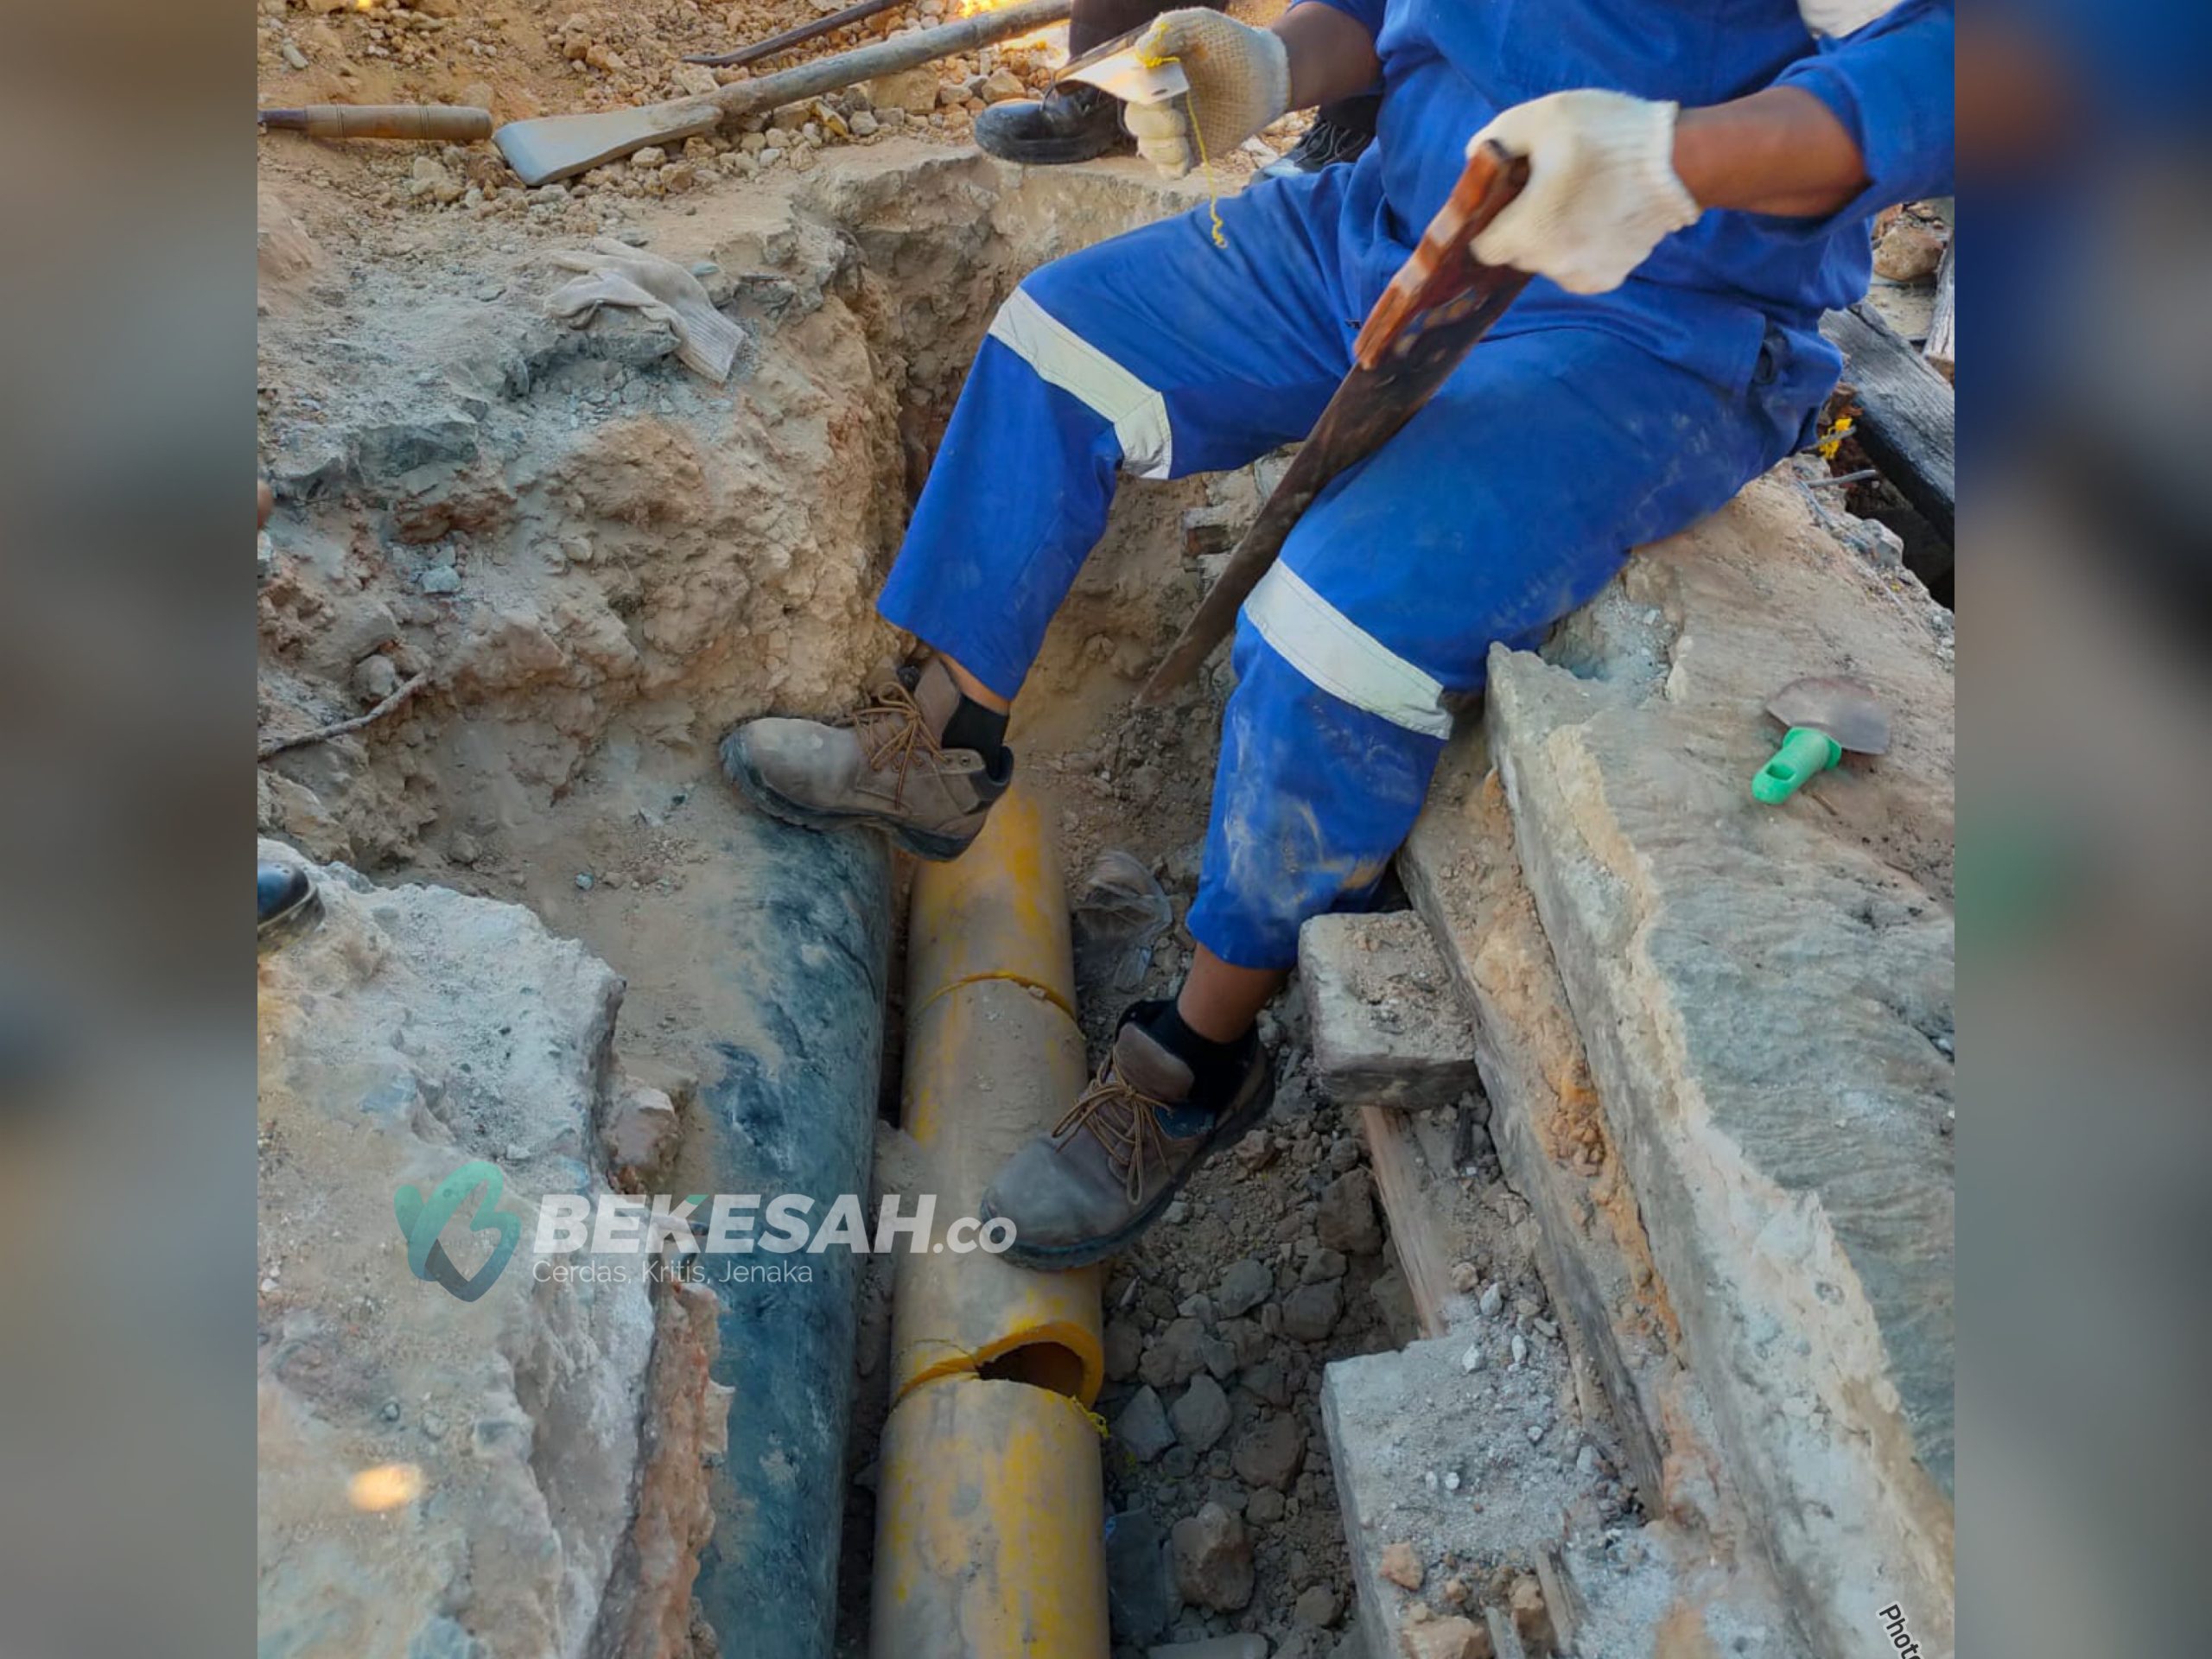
(1550, 1134)
(1560, 1581)
(1553, 1142)
(1361, 1398)
(1386, 1026)
(1547, 1121)
(1756, 989)
(552, 1426)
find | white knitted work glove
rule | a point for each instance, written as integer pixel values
(616, 274)
(1601, 190)
(1240, 81)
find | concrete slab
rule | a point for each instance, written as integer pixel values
(1389, 1028)
(1553, 1140)
(1765, 996)
(1453, 1512)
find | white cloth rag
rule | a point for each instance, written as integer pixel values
(617, 274)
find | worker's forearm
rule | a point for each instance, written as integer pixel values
(1331, 55)
(1779, 151)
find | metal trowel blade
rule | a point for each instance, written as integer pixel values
(1845, 708)
(1120, 66)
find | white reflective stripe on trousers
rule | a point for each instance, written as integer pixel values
(1064, 358)
(1343, 660)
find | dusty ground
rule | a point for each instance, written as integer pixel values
(525, 58)
(603, 562)
(642, 559)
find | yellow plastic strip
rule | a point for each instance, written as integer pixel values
(1051, 993)
(1198, 137)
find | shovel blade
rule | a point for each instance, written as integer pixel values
(560, 146)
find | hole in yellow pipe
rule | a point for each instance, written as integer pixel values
(1041, 1364)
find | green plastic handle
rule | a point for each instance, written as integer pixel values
(1802, 754)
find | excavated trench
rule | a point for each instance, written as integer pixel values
(594, 563)
(597, 563)
(581, 565)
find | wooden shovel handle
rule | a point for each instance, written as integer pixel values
(1442, 266)
(454, 123)
(1439, 303)
(885, 57)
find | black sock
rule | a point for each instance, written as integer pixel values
(974, 726)
(1217, 1069)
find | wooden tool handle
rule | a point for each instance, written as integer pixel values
(454, 123)
(560, 146)
(1442, 266)
(1441, 300)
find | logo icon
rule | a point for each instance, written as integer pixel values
(421, 1221)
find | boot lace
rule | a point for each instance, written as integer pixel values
(894, 732)
(1125, 1121)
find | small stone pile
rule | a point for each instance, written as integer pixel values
(1269, 1264)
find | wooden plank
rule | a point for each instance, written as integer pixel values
(1942, 348)
(1562, 1596)
(1504, 1640)
(1416, 1228)
(1908, 425)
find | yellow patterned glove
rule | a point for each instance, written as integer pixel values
(1240, 81)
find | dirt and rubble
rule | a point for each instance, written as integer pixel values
(1273, 1262)
(601, 563)
(520, 58)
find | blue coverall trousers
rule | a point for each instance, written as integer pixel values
(1506, 502)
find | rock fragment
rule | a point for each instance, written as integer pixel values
(1316, 1606)
(1177, 1354)
(1143, 1427)
(1448, 1638)
(1138, 1604)
(1311, 1312)
(1401, 1566)
(639, 1137)
(1201, 1416)
(1213, 1560)
(1346, 1219)
(1124, 1350)
(1242, 1289)
(1531, 1619)
(1271, 1452)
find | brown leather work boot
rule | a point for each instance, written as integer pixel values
(884, 764)
(1106, 1170)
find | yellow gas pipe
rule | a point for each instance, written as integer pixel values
(989, 1510)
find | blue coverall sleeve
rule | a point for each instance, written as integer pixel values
(1891, 85)
(1367, 13)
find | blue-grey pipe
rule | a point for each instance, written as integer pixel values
(792, 1109)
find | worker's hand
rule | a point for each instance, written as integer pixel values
(1240, 81)
(1602, 190)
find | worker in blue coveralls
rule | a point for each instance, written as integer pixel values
(1701, 174)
